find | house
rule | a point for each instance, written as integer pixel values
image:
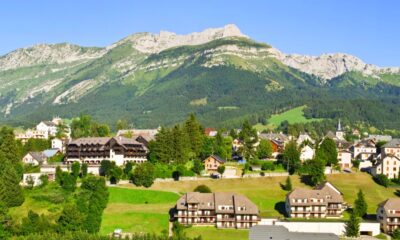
(364, 150)
(34, 158)
(93, 150)
(212, 163)
(31, 179)
(210, 132)
(275, 136)
(49, 127)
(304, 137)
(380, 138)
(323, 201)
(30, 133)
(277, 147)
(344, 159)
(236, 144)
(307, 153)
(388, 214)
(264, 232)
(223, 210)
(389, 166)
(57, 143)
(392, 148)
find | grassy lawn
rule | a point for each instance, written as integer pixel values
(294, 115)
(137, 210)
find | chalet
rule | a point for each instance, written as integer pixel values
(93, 150)
(212, 163)
(143, 136)
(389, 166)
(223, 210)
(392, 148)
(34, 158)
(277, 146)
(364, 150)
(275, 136)
(30, 133)
(323, 201)
(210, 132)
(388, 214)
(307, 153)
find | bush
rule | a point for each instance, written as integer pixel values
(268, 166)
(382, 180)
(202, 189)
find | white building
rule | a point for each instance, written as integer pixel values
(389, 166)
(30, 133)
(344, 158)
(31, 178)
(57, 143)
(392, 148)
(34, 158)
(307, 153)
(49, 127)
(364, 150)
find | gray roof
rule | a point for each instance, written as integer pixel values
(38, 156)
(49, 123)
(211, 201)
(103, 140)
(273, 136)
(325, 191)
(217, 158)
(391, 204)
(394, 143)
(276, 232)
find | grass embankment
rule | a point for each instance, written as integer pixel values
(294, 115)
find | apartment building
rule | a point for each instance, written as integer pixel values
(389, 166)
(392, 148)
(223, 210)
(388, 214)
(93, 150)
(323, 201)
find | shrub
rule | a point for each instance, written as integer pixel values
(268, 166)
(382, 179)
(202, 189)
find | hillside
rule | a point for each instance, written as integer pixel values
(220, 74)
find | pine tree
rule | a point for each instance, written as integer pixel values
(10, 149)
(75, 169)
(288, 184)
(84, 169)
(327, 151)
(71, 219)
(353, 225)
(360, 205)
(195, 135)
(264, 149)
(10, 190)
(180, 149)
(291, 157)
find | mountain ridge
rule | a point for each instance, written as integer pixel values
(142, 73)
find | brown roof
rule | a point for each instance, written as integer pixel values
(211, 201)
(103, 140)
(391, 204)
(325, 191)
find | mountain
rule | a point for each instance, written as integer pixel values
(220, 74)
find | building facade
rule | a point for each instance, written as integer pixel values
(212, 163)
(93, 150)
(321, 202)
(389, 166)
(388, 214)
(344, 159)
(364, 150)
(392, 148)
(223, 210)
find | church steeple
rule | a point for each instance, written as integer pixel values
(339, 132)
(339, 126)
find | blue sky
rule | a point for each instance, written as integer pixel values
(368, 29)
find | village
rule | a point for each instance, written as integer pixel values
(377, 155)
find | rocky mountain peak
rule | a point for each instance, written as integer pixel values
(47, 54)
(154, 43)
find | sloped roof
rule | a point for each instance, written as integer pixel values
(324, 191)
(38, 156)
(50, 152)
(217, 158)
(278, 232)
(391, 204)
(394, 143)
(49, 123)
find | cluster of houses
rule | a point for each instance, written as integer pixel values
(232, 210)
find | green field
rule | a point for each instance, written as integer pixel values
(294, 115)
(136, 209)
